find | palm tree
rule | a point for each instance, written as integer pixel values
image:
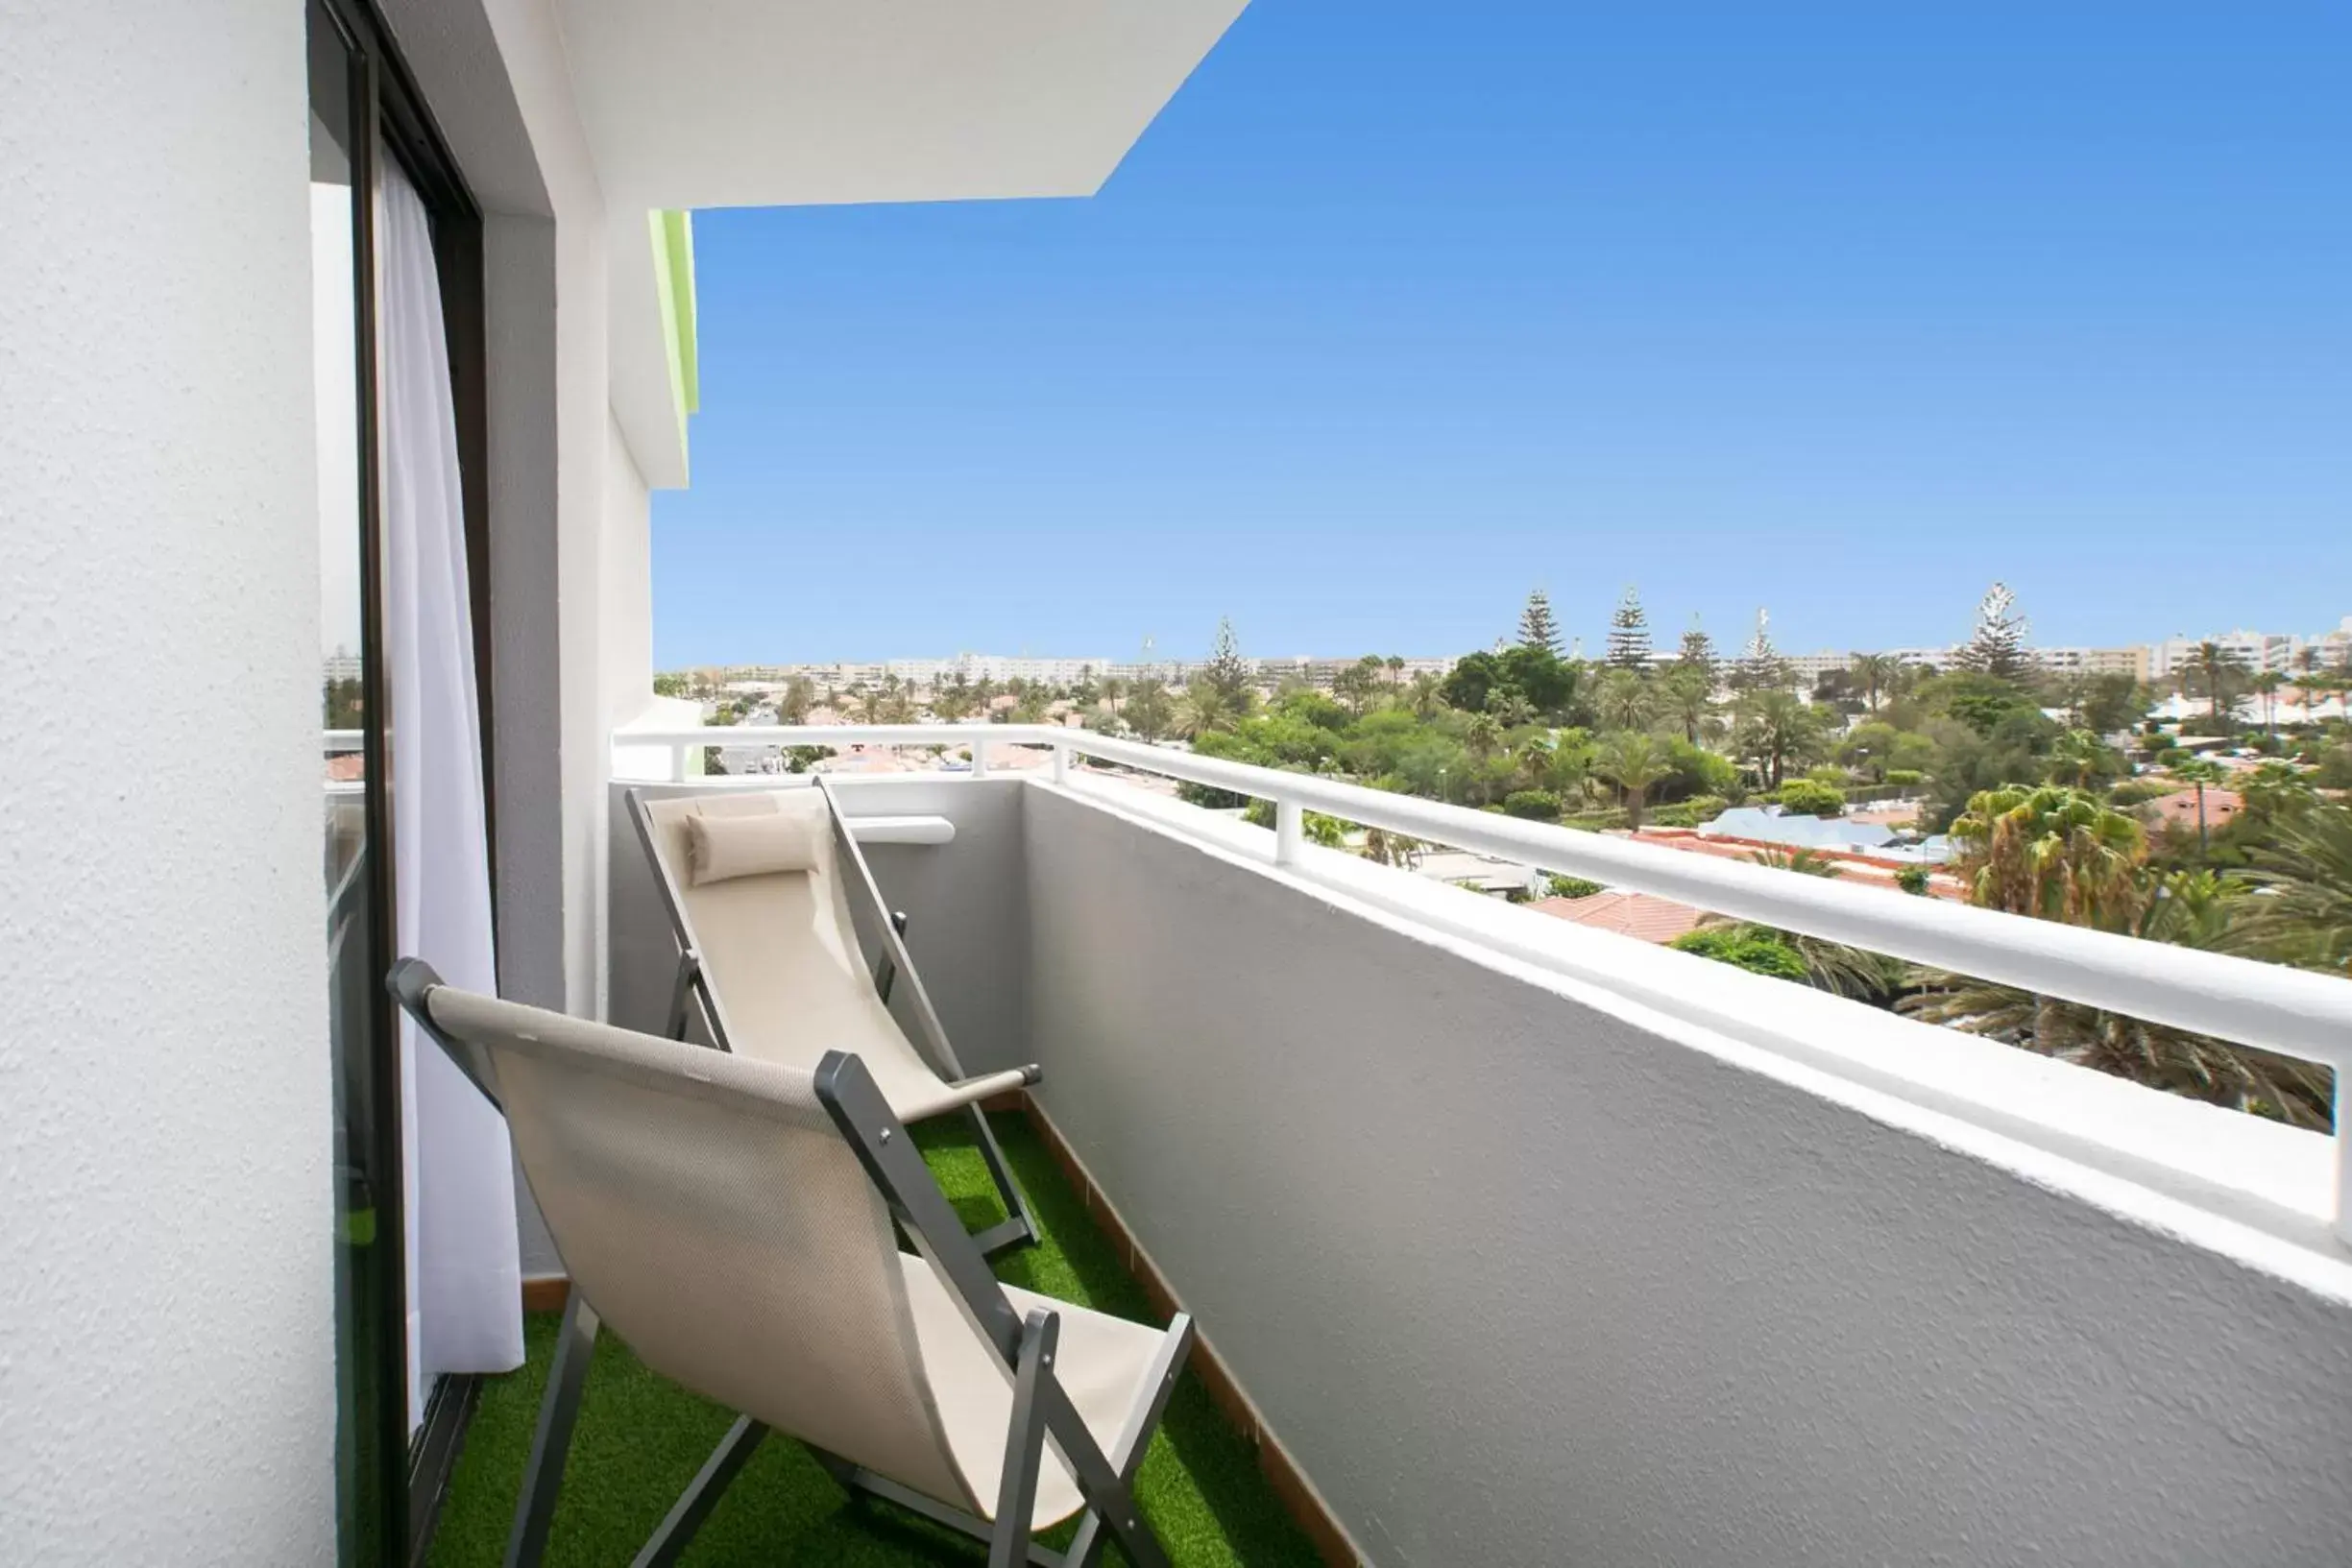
(1481, 734)
(1569, 765)
(2193, 910)
(2305, 872)
(2265, 684)
(2215, 667)
(1205, 707)
(1689, 692)
(1834, 967)
(1633, 761)
(2306, 665)
(1624, 700)
(1874, 673)
(1423, 698)
(1778, 730)
(1534, 759)
(1510, 708)
(2050, 852)
(2201, 771)
(2077, 757)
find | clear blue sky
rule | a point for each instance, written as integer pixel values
(1399, 311)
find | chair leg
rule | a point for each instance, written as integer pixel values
(1016, 1494)
(695, 1503)
(1016, 1229)
(543, 1476)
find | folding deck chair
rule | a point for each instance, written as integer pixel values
(732, 1218)
(758, 888)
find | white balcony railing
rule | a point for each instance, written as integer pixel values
(2292, 1012)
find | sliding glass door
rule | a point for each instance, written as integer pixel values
(368, 131)
(369, 1295)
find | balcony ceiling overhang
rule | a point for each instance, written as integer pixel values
(783, 103)
(765, 103)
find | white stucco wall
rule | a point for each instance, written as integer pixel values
(626, 642)
(1522, 1271)
(166, 1352)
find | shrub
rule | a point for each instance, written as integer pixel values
(1809, 797)
(2136, 793)
(1535, 805)
(1913, 880)
(2334, 769)
(1756, 952)
(1692, 771)
(1905, 776)
(1596, 821)
(1706, 807)
(1316, 827)
(1558, 886)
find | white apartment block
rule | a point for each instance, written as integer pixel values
(2132, 661)
(1809, 669)
(2257, 651)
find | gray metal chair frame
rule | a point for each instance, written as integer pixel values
(690, 993)
(1024, 1347)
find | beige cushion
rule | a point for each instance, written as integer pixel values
(721, 849)
(783, 959)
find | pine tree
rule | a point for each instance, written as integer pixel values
(1997, 647)
(1629, 634)
(1536, 627)
(1760, 667)
(1697, 648)
(1227, 672)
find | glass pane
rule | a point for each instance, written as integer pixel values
(366, 1503)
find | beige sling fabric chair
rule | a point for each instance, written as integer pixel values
(759, 889)
(732, 1219)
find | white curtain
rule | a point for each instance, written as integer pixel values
(464, 1302)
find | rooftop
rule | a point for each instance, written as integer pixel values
(1641, 916)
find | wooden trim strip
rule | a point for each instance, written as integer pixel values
(1297, 1494)
(545, 1293)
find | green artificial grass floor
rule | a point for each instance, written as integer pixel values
(641, 1438)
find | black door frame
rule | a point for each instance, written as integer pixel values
(390, 118)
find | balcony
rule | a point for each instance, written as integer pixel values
(1516, 1240)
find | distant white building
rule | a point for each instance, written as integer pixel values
(2257, 651)
(1940, 657)
(1807, 668)
(2132, 661)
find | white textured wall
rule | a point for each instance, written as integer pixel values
(167, 1353)
(1522, 1273)
(625, 644)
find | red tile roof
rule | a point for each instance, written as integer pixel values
(1643, 916)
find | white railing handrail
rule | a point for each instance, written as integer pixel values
(2269, 1007)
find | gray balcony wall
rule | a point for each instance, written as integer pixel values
(1520, 1273)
